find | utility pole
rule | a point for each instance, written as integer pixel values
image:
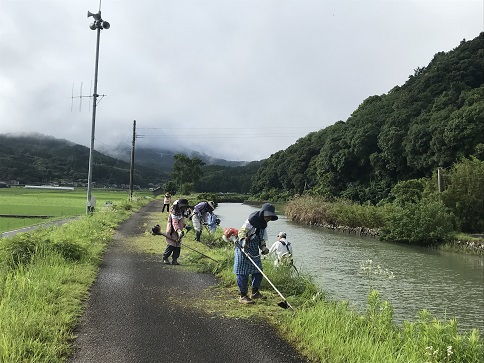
(440, 180)
(131, 170)
(98, 24)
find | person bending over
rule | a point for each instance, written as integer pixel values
(282, 248)
(201, 214)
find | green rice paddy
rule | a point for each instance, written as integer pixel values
(21, 207)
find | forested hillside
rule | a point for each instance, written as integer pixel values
(40, 159)
(33, 159)
(217, 178)
(431, 121)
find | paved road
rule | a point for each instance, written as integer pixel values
(31, 228)
(132, 315)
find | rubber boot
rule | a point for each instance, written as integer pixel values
(197, 238)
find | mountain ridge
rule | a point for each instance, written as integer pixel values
(37, 158)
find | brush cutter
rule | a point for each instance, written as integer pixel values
(211, 242)
(283, 304)
(194, 250)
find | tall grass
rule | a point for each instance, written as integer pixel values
(315, 210)
(326, 330)
(44, 278)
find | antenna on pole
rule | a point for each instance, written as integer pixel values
(81, 96)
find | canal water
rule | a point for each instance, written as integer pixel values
(448, 285)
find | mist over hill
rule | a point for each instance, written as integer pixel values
(38, 159)
(159, 157)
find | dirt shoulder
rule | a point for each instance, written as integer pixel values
(134, 313)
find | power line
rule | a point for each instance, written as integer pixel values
(219, 136)
(225, 128)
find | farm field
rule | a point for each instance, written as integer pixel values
(21, 207)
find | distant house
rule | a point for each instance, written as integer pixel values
(4, 185)
(48, 187)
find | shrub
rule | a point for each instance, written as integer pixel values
(426, 222)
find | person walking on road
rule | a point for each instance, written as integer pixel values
(201, 213)
(252, 236)
(174, 231)
(282, 248)
(166, 202)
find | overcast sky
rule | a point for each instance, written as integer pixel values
(238, 80)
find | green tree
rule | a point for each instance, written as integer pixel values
(464, 194)
(170, 187)
(187, 171)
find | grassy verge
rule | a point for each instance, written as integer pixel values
(321, 328)
(44, 278)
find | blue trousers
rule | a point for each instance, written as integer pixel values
(243, 280)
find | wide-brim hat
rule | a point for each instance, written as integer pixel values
(182, 203)
(211, 204)
(268, 210)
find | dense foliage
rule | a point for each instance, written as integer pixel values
(414, 212)
(192, 174)
(225, 179)
(431, 121)
(464, 194)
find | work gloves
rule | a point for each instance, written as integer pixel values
(243, 242)
(180, 234)
(264, 250)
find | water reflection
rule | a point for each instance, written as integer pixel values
(447, 284)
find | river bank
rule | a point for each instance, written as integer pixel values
(365, 221)
(423, 279)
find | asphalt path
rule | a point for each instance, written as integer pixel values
(133, 315)
(31, 228)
